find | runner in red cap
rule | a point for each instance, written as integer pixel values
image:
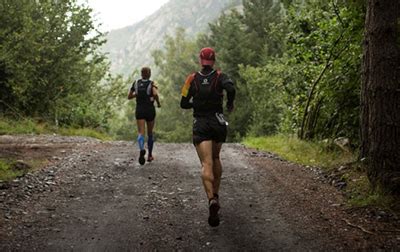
(203, 91)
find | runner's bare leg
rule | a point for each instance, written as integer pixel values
(217, 167)
(150, 138)
(150, 127)
(141, 126)
(204, 151)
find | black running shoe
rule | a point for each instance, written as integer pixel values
(142, 160)
(213, 219)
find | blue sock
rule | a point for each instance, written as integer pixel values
(140, 140)
(150, 143)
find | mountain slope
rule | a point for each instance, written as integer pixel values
(130, 47)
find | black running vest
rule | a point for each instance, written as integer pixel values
(144, 92)
(208, 95)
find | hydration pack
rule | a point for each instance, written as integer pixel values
(144, 91)
(207, 85)
(208, 91)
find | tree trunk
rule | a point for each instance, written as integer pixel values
(380, 95)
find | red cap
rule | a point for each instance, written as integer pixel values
(207, 56)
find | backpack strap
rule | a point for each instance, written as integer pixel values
(203, 75)
(196, 84)
(136, 86)
(149, 90)
(216, 81)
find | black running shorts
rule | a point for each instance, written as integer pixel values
(147, 113)
(208, 128)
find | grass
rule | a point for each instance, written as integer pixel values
(7, 172)
(360, 194)
(302, 152)
(25, 126)
(84, 132)
(29, 126)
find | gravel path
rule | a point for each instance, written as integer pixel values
(95, 197)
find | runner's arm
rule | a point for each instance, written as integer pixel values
(155, 95)
(185, 102)
(187, 94)
(227, 84)
(132, 93)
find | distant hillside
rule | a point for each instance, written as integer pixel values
(131, 47)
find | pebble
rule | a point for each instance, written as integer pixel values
(341, 185)
(4, 186)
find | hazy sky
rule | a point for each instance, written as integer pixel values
(115, 14)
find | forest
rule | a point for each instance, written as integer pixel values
(297, 67)
(51, 68)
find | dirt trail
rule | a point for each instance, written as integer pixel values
(99, 199)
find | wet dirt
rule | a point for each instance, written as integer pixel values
(94, 196)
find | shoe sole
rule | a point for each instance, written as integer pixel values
(213, 219)
(142, 160)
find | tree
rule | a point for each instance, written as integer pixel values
(50, 64)
(258, 16)
(175, 62)
(380, 96)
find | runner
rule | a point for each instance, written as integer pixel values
(145, 92)
(203, 91)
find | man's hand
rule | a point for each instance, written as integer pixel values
(131, 95)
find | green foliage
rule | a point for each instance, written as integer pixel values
(23, 126)
(30, 126)
(324, 55)
(264, 95)
(296, 65)
(307, 70)
(50, 64)
(303, 152)
(175, 63)
(360, 192)
(7, 172)
(259, 17)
